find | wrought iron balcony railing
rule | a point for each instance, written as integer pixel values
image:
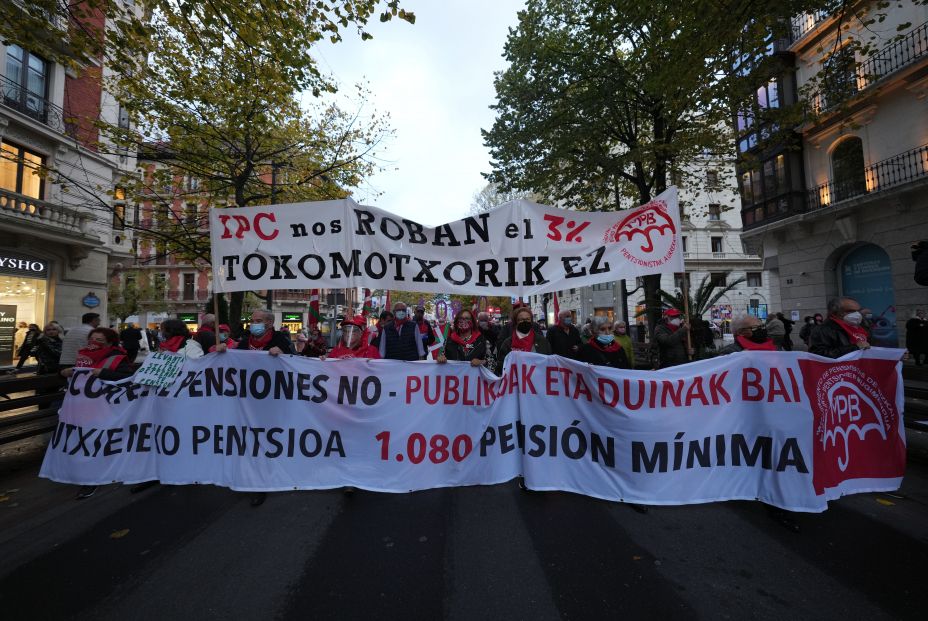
(881, 176)
(21, 99)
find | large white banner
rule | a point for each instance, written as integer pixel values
(791, 429)
(519, 249)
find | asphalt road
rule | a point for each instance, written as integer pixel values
(467, 553)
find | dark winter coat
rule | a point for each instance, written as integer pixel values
(541, 346)
(671, 345)
(593, 355)
(455, 351)
(830, 340)
(566, 344)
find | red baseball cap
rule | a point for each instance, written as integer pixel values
(357, 320)
(671, 312)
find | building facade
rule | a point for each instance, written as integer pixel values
(60, 234)
(835, 208)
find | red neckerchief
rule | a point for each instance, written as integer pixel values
(525, 343)
(748, 344)
(611, 347)
(172, 344)
(672, 327)
(93, 357)
(457, 338)
(856, 333)
(260, 342)
(206, 329)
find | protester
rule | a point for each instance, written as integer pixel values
(401, 340)
(841, 333)
(490, 332)
(177, 340)
(153, 340)
(620, 330)
(48, 349)
(425, 329)
(776, 330)
(564, 338)
(670, 336)
(808, 322)
(206, 333)
(386, 318)
(263, 337)
(315, 346)
(602, 349)
(916, 337)
(523, 338)
(353, 344)
(466, 342)
(25, 350)
(76, 338)
(225, 339)
(22, 328)
(788, 330)
(300, 343)
(751, 335)
(131, 339)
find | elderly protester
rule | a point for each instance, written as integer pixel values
(620, 330)
(602, 349)
(750, 334)
(841, 333)
(523, 337)
(465, 342)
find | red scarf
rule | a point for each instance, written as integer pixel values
(260, 342)
(172, 344)
(525, 343)
(856, 333)
(362, 351)
(611, 347)
(672, 327)
(750, 345)
(460, 340)
(93, 357)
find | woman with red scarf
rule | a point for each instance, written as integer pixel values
(176, 339)
(103, 355)
(354, 342)
(466, 342)
(750, 335)
(523, 338)
(602, 349)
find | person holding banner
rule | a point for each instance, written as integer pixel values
(177, 340)
(353, 344)
(425, 329)
(401, 340)
(670, 336)
(602, 350)
(841, 333)
(564, 337)
(224, 332)
(751, 335)
(263, 337)
(465, 342)
(523, 337)
(315, 346)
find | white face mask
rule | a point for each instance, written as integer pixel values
(676, 321)
(853, 318)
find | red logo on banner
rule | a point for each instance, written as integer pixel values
(655, 232)
(855, 422)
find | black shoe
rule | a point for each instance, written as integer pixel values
(141, 487)
(258, 499)
(86, 491)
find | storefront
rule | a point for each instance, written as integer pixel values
(23, 299)
(292, 322)
(191, 320)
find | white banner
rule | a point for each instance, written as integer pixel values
(791, 429)
(519, 249)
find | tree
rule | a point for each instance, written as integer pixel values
(490, 197)
(703, 297)
(135, 293)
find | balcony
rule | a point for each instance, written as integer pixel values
(24, 101)
(182, 296)
(803, 24)
(889, 173)
(42, 216)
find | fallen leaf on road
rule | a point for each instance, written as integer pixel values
(885, 503)
(119, 534)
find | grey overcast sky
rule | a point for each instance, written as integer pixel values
(435, 79)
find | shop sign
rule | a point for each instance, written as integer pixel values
(21, 265)
(91, 300)
(187, 317)
(293, 317)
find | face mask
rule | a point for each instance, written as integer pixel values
(566, 321)
(853, 318)
(93, 346)
(676, 321)
(605, 339)
(256, 329)
(400, 315)
(465, 324)
(223, 337)
(524, 327)
(759, 334)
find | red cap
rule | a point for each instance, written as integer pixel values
(671, 312)
(357, 320)
(224, 327)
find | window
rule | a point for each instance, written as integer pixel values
(161, 285)
(123, 118)
(192, 215)
(754, 279)
(712, 178)
(161, 250)
(678, 281)
(119, 209)
(28, 82)
(683, 239)
(189, 285)
(718, 279)
(20, 171)
(715, 213)
(847, 166)
(716, 244)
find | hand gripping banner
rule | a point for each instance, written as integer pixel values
(519, 249)
(787, 428)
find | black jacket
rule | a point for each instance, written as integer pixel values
(593, 355)
(671, 345)
(278, 339)
(47, 351)
(830, 340)
(131, 339)
(478, 350)
(565, 344)
(540, 346)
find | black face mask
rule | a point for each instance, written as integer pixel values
(759, 334)
(524, 327)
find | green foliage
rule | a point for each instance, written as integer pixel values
(702, 298)
(135, 292)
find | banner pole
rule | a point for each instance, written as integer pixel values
(216, 315)
(686, 311)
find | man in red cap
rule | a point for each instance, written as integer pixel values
(670, 336)
(353, 343)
